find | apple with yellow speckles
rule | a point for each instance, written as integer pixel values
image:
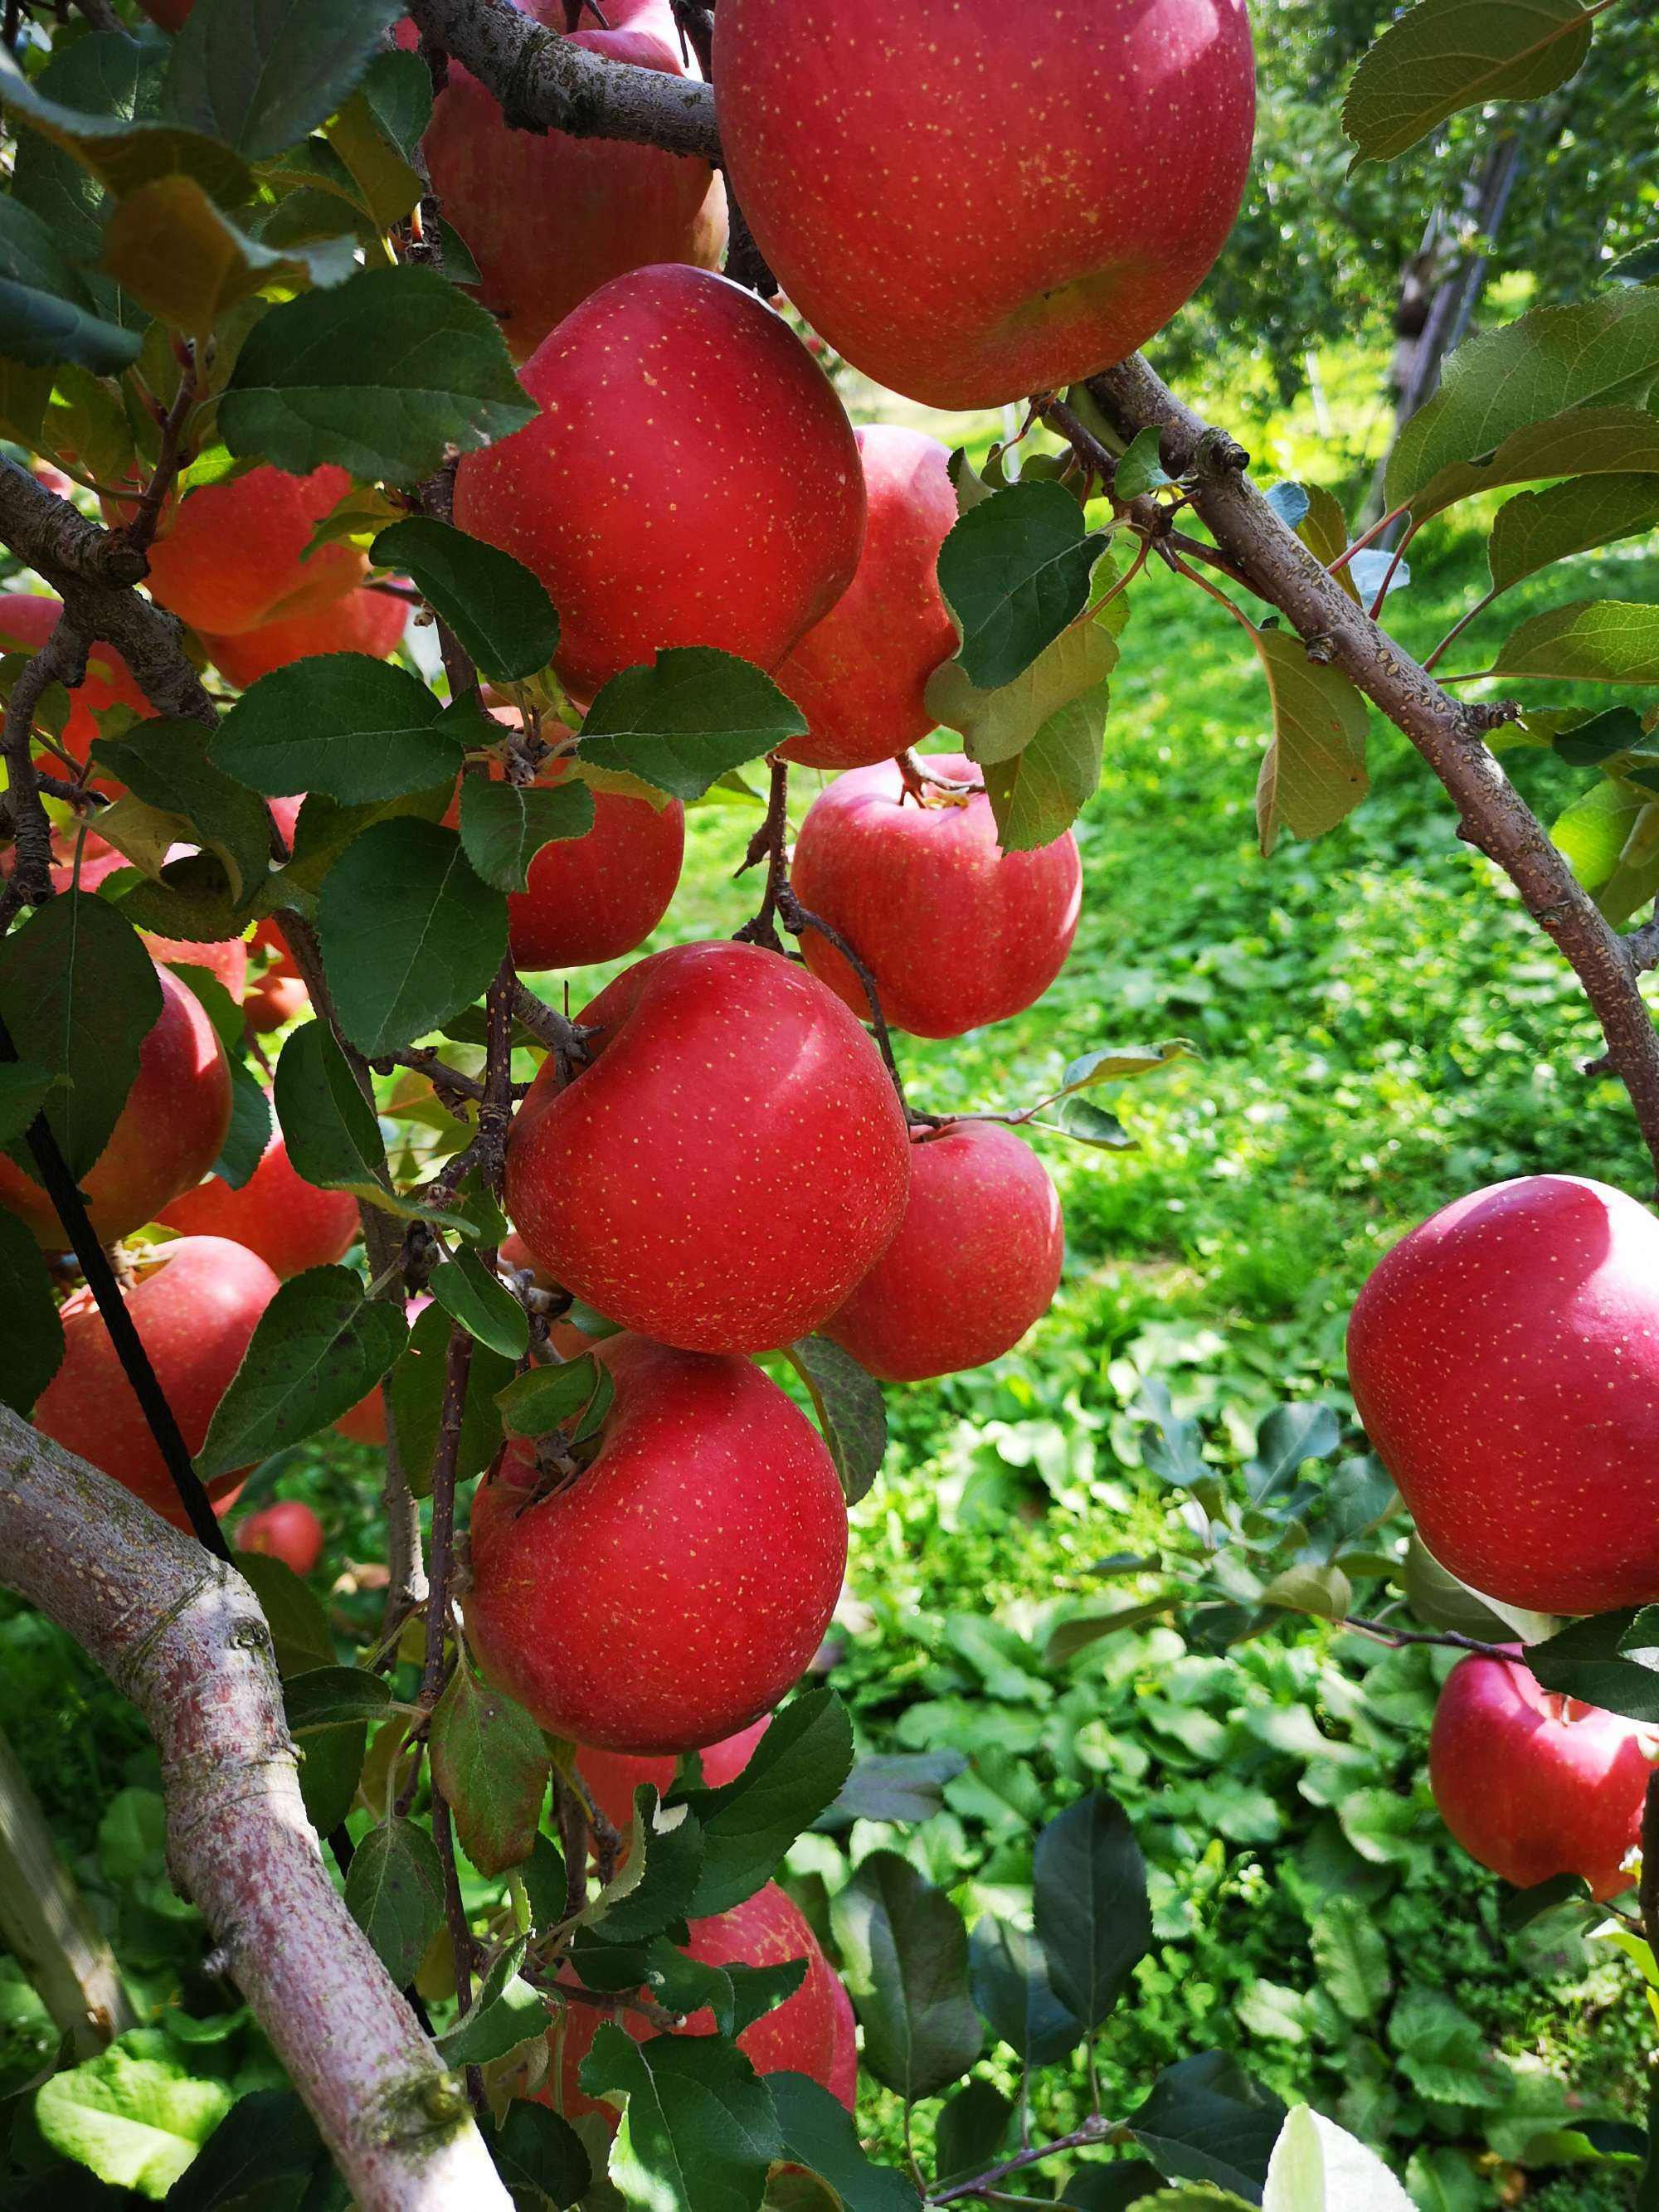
(1016, 197)
(1505, 1359)
(668, 1594)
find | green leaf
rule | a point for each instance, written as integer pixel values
(1087, 1123)
(1527, 376)
(906, 1956)
(1316, 2167)
(1588, 641)
(1519, 1908)
(1639, 266)
(1542, 527)
(105, 73)
(1009, 1972)
(482, 1302)
(1313, 774)
(325, 828)
(1093, 1917)
(1324, 531)
(416, 1391)
(331, 1767)
(489, 1760)
(972, 2131)
(538, 2154)
(79, 994)
(136, 2115)
(261, 74)
(1204, 2120)
(900, 1786)
(320, 1346)
(382, 375)
(700, 2131)
(1288, 1437)
(266, 2141)
(395, 1893)
(851, 1410)
(46, 316)
(506, 623)
(795, 1772)
(1445, 55)
(120, 153)
(1036, 796)
(683, 723)
(166, 764)
(354, 728)
(24, 1089)
(192, 901)
(410, 934)
(998, 726)
(386, 186)
(329, 1130)
(506, 2012)
(250, 1125)
(299, 1627)
(546, 1398)
(396, 89)
(185, 260)
(662, 1897)
(820, 2133)
(334, 1697)
(1591, 1659)
(29, 1327)
(1588, 744)
(1140, 469)
(1123, 1063)
(1015, 571)
(1353, 1958)
(503, 826)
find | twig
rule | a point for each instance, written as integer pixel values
(1448, 1638)
(458, 1366)
(1094, 2130)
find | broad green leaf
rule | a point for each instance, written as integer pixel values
(1140, 468)
(546, 1398)
(699, 2132)
(23, 1091)
(851, 1410)
(1323, 530)
(329, 1128)
(540, 2158)
(1090, 1893)
(261, 74)
(355, 729)
(688, 719)
(489, 1760)
(395, 1893)
(972, 2129)
(1036, 796)
(1445, 55)
(1087, 1123)
(482, 1302)
(998, 726)
(1324, 1591)
(299, 1627)
(167, 764)
(381, 375)
(1585, 442)
(386, 184)
(416, 1391)
(183, 258)
(1588, 641)
(1639, 266)
(193, 901)
(334, 1697)
(1351, 1955)
(250, 1125)
(662, 1898)
(46, 315)
(397, 88)
(1121, 1063)
(905, 1952)
(1015, 571)
(505, 2012)
(1590, 1659)
(266, 2141)
(122, 153)
(1204, 2120)
(331, 1767)
(1440, 1601)
(1288, 1437)
(795, 1772)
(325, 828)
(505, 621)
(1596, 830)
(29, 1327)
(136, 2115)
(1588, 744)
(79, 994)
(1603, 354)
(503, 826)
(1316, 2167)
(320, 1346)
(820, 2133)
(1313, 773)
(410, 934)
(903, 1786)
(1012, 1988)
(1541, 527)
(104, 74)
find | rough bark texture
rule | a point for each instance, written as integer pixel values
(183, 1635)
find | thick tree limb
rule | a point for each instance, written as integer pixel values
(543, 82)
(182, 1635)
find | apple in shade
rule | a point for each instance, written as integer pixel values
(669, 1595)
(229, 557)
(810, 2033)
(171, 14)
(773, 1174)
(1533, 1784)
(955, 932)
(27, 621)
(288, 1221)
(1505, 1360)
(612, 1776)
(287, 1531)
(691, 480)
(1018, 196)
(167, 1136)
(977, 1260)
(362, 621)
(279, 992)
(548, 218)
(859, 676)
(194, 1305)
(365, 1422)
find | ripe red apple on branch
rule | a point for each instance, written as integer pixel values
(288, 1531)
(233, 556)
(27, 621)
(288, 1222)
(359, 621)
(612, 1776)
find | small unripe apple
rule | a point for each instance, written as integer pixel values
(287, 1531)
(977, 1260)
(361, 621)
(229, 557)
(691, 480)
(1505, 1359)
(730, 1164)
(671, 1592)
(27, 621)
(167, 1136)
(955, 932)
(194, 1305)
(612, 1776)
(1533, 1784)
(288, 1222)
(1012, 197)
(859, 675)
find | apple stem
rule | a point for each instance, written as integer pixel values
(1448, 1638)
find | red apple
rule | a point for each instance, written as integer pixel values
(278, 993)
(167, 1135)
(171, 14)
(27, 621)
(975, 1261)
(225, 958)
(859, 675)
(612, 1776)
(548, 218)
(232, 555)
(732, 1163)
(955, 932)
(287, 1531)
(1505, 1359)
(843, 2081)
(691, 480)
(361, 621)
(673, 1590)
(288, 1222)
(1015, 197)
(195, 1305)
(1533, 1784)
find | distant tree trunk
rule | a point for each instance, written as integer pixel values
(47, 1927)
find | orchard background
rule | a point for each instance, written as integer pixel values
(1116, 1829)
